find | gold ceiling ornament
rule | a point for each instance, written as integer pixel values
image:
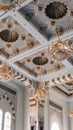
(70, 83)
(60, 51)
(40, 94)
(71, 114)
(6, 73)
(9, 4)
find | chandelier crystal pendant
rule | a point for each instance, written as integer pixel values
(9, 4)
(60, 50)
(5, 73)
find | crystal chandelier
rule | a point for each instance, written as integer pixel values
(9, 4)
(60, 50)
(40, 94)
(5, 73)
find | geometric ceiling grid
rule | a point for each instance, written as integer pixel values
(40, 64)
(26, 36)
(35, 13)
(14, 40)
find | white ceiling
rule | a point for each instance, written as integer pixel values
(36, 44)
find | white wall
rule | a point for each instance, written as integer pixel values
(5, 106)
(22, 110)
(53, 97)
(62, 102)
(20, 104)
(46, 114)
(26, 110)
(70, 109)
(19, 99)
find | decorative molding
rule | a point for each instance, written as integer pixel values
(55, 105)
(61, 91)
(59, 80)
(6, 88)
(10, 103)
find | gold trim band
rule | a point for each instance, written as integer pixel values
(5, 7)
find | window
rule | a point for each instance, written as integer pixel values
(1, 117)
(7, 121)
(55, 126)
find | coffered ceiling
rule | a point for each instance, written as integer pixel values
(26, 36)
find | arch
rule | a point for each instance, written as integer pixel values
(55, 121)
(1, 118)
(55, 117)
(10, 103)
(7, 121)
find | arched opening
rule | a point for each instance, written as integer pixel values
(7, 121)
(55, 126)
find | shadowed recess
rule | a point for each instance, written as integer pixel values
(56, 10)
(9, 36)
(40, 60)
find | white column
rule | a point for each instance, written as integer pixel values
(70, 109)
(20, 109)
(26, 110)
(37, 119)
(65, 117)
(46, 114)
(40, 116)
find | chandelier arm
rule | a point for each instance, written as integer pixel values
(60, 51)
